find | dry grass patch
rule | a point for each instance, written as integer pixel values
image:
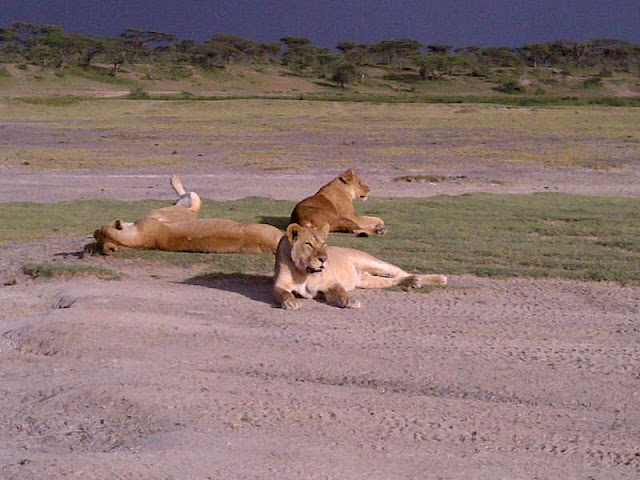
(70, 158)
(50, 270)
(134, 132)
(551, 155)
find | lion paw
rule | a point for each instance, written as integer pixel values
(292, 304)
(412, 281)
(353, 303)
(439, 280)
(417, 281)
(343, 302)
(381, 229)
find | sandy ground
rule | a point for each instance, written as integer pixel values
(172, 374)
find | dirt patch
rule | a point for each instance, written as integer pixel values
(172, 373)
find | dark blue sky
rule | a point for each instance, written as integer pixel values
(452, 22)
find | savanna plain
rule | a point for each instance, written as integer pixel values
(157, 365)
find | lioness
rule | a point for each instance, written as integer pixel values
(307, 267)
(333, 205)
(177, 228)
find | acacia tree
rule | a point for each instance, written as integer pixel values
(243, 48)
(352, 52)
(537, 53)
(439, 49)
(23, 36)
(267, 52)
(345, 73)
(140, 42)
(300, 53)
(70, 48)
(116, 52)
(396, 52)
(215, 54)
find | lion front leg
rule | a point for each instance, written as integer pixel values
(338, 297)
(286, 299)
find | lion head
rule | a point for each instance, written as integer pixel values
(355, 185)
(308, 247)
(106, 236)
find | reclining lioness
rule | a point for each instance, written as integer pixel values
(333, 205)
(307, 267)
(177, 228)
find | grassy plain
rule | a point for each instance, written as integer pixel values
(535, 235)
(121, 133)
(543, 235)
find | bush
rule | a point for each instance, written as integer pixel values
(593, 82)
(179, 72)
(138, 93)
(510, 85)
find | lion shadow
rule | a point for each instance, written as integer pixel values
(279, 222)
(254, 287)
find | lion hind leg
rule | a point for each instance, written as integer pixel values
(370, 226)
(418, 281)
(368, 280)
(365, 262)
(375, 273)
(345, 224)
(176, 184)
(190, 200)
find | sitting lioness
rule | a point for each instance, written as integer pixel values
(177, 228)
(333, 205)
(307, 267)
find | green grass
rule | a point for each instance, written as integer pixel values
(541, 235)
(504, 100)
(53, 100)
(50, 270)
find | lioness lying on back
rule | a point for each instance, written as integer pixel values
(307, 267)
(333, 205)
(178, 229)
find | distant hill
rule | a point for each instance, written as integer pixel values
(46, 60)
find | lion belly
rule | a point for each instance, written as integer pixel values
(217, 236)
(173, 213)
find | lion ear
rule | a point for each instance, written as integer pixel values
(118, 224)
(324, 231)
(347, 176)
(293, 231)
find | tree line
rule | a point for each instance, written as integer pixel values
(50, 46)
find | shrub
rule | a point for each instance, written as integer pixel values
(593, 82)
(138, 93)
(510, 85)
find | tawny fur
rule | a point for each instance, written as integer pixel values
(177, 228)
(307, 267)
(333, 205)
